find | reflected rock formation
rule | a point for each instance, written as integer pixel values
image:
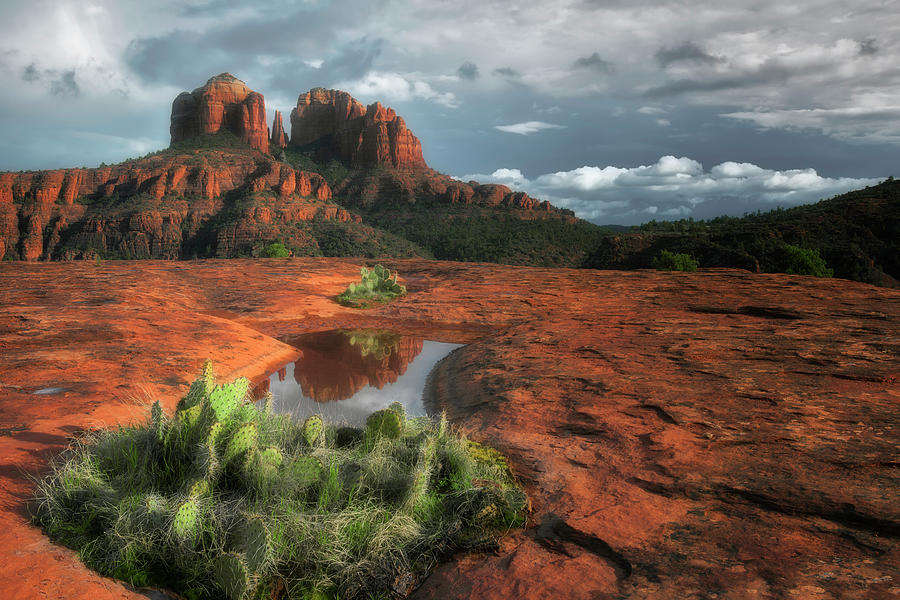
(338, 364)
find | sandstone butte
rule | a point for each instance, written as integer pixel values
(151, 207)
(225, 102)
(718, 434)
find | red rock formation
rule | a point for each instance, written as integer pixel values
(36, 207)
(340, 127)
(225, 102)
(279, 138)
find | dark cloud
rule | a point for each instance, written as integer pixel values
(65, 85)
(506, 72)
(768, 74)
(685, 52)
(61, 83)
(868, 47)
(593, 62)
(468, 70)
(31, 73)
(284, 33)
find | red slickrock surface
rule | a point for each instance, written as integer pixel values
(713, 434)
(224, 103)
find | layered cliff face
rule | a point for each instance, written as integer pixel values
(336, 126)
(224, 103)
(151, 208)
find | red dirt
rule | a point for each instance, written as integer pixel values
(717, 434)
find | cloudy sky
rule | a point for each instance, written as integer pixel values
(622, 110)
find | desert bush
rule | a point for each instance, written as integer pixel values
(804, 261)
(377, 286)
(669, 261)
(277, 250)
(225, 499)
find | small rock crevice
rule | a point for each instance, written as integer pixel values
(554, 533)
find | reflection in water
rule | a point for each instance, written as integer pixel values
(345, 375)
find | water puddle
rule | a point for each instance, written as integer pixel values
(345, 375)
(49, 390)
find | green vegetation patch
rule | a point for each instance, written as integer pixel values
(225, 499)
(670, 261)
(377, 286)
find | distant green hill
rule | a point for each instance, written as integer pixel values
(858, 235)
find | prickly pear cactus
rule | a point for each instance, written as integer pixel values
(158, 421)
(384, 423)
(201, 487)
(187, 525)
(209, 377)
(227, 398)
(306, 471)
(398, 408)
(272, 456)
(155, 508)
(251, 538)
(242, 441)
(190, 417)
(216, 432)
(313, 430)
(233, 576)
(246, 413)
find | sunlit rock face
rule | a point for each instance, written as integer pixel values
(338, 364)
(224, 103)
(337, 126)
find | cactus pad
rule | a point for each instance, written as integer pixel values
(272, 456)
(398, 408)
(186, 525)
(251, 538)
(384, 423)
(233, 576)
(158, 421)
(201, 487)
(208, 377)
(190, 416)
(227, 398)
(242, 441)
(216, 431)
(313, 430)
(306, 471)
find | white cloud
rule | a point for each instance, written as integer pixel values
(673, 187)
(396, 87)
(651, 110)
(528, 127)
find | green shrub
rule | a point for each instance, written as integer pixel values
(805, 261)
(277, 250)
(669, 261)
(376, 287)
(226, 500)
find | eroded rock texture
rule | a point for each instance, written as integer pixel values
(224, 103)
(719, 434)
(336, 126)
